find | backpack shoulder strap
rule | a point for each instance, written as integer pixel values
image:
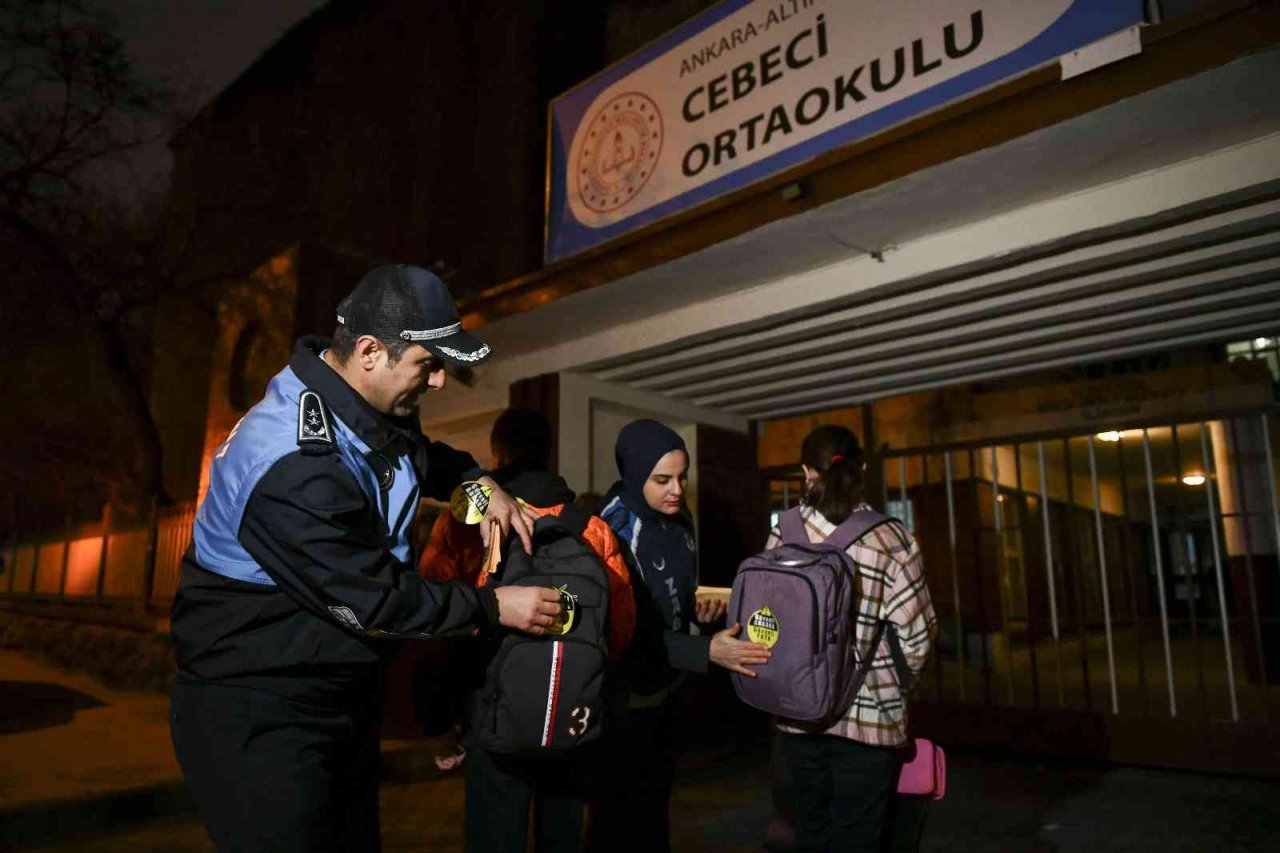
(903, 672)
(856, 526)
(864, 667)
(791, 527)
(573, 519)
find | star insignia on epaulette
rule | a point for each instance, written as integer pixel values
(315, 424)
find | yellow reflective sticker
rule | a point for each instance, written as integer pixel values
(469, 502)
(762, 627)
(569, 609)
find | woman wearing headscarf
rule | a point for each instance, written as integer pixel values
(646, 511)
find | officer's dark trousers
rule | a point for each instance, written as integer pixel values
(502, 788)
(630, 807)
(271, 774)
(843, 791)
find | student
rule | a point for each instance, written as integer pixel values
(502, 788)
(844, 775)
(519, 441)
(646, 510)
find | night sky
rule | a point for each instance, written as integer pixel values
(200, 46)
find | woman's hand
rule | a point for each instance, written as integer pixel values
(733, 654)
(708, 610)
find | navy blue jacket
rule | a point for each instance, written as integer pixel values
(301, 564)
(661, 554)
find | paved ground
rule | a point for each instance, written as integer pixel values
(721, 802)
(66, 736)
(1001, 807)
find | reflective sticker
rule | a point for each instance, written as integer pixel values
(469, 502)
(569, 610)
(762, 627)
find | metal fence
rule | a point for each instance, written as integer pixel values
(1131, 571)
(101, 562)
(1129, 576)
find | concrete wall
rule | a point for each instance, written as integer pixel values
(597, 327)
(586, 439)
(254, 341)
(374, 130)
(388, 129)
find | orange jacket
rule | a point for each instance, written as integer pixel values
(456, 552)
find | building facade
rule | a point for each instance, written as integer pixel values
(1048, 306)
(1042, 287)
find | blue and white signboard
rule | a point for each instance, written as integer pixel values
(750, 88)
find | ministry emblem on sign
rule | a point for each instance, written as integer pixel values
(619, 151)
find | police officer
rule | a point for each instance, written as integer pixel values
(301, 576)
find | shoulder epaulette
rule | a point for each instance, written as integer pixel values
(315, 424)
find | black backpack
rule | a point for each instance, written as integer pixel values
(544, 695)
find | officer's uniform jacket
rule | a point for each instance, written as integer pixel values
(301, 564)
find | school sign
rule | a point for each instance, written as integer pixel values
(750, 88)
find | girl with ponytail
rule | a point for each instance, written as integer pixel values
(831, 459)
(844, 774)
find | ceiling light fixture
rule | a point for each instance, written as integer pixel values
(1109, 435)
(1193, 479)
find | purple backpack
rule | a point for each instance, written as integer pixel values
(799, 600)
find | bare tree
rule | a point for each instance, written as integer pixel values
(70, 101)
(69, 98)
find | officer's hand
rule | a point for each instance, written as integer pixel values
(509, 514)
(531, 609)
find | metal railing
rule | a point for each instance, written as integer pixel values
(1109, 572)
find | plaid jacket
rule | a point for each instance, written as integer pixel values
(893, 589)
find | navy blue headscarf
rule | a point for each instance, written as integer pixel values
(663, 554)
(641, 444)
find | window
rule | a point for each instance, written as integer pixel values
(1264, 349)
(903, 511)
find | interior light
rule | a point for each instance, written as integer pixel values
(1109, 435)
(1193, 479)
(1262, 343)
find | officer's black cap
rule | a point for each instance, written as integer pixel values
(407, 303)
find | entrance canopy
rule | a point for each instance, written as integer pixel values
(1146, 225)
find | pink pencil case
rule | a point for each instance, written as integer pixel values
(924, 770)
